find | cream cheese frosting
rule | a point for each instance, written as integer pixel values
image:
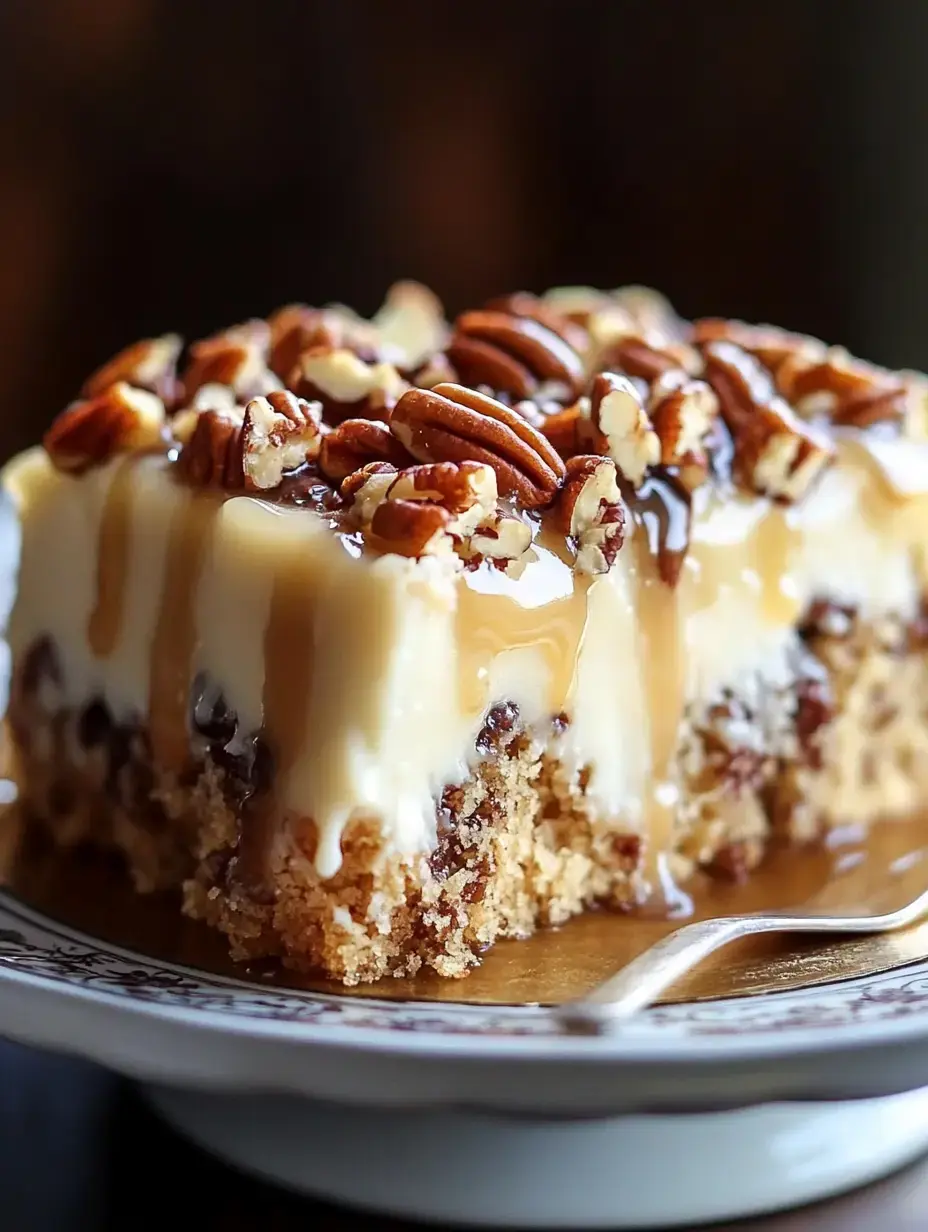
(371, 676)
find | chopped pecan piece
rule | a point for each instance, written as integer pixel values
(653, 314)
(609, 316)
(354, 443)
(150, 364)
(636, 356)
(682, 410)
(236, 358)
(452, 499)
(412, 528)
(348, 386)
(279, 433)
(775, 452)
(818, 381)
(524, 304)
(293, 329)
(626, 432)
(844, 390)
(91, 432)
(435, 371)
(590, 511)
(772, 346)
(502, 538)
(249, 447)
(565, 427)
(452, 424)
(212, 456)
(513, 354)
(367, 488)
(467, 490)
(411, 326)
(219, 398)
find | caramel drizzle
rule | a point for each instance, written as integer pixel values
(489, 624)
(664, 679)
(663, 613)
(288, 679)
(175, 639)
(105, 624)
(288, 661)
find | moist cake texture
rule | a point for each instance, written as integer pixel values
(383, 639)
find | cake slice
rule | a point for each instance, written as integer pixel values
(385, 639)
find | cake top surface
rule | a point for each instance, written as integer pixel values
(423, 437)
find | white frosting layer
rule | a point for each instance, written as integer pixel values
(388, 654)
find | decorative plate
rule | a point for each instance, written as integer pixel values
(161, 1022)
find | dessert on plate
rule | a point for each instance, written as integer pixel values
(383, 639)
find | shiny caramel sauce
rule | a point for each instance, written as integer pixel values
(174, 643)
(288, 674)
(105, 624)
(542, 608)
(90, 892)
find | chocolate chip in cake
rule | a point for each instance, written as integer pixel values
(501, 721)
(827, 619)
(627, 849)
(95, 724)
(211, 716)
(814, 708)
(39, 666)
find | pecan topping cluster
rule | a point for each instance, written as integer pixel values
(576, 409)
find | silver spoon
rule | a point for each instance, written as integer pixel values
(647, 976)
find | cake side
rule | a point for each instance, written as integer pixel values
(386, 671)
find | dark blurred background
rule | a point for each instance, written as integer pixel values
(186, 163)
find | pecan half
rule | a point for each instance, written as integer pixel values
(452, 424)
(775, 452)
(626, 432)
(524, 304)
(844, 390)
(354, 443)
(91, 432)
(347, 385)
(236, 358)
(212, 455)
(636, 356)
(590, 511)
(771, 345)
(513, 354)
(150, 364)
(279, 433)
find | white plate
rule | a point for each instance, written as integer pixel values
(493, 1079)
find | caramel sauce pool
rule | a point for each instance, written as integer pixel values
(91, 892)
